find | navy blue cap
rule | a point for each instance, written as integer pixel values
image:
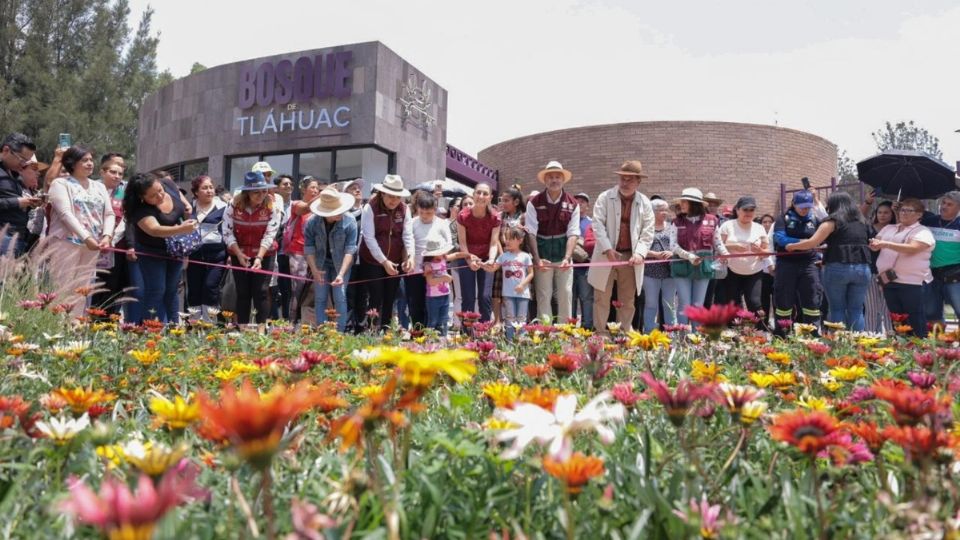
(803, 199)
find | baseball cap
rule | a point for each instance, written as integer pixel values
(803, 199)
(583, 196)
(746, 202)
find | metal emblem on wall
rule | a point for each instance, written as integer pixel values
(415, 103)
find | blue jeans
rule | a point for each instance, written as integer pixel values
(936, 293)
(161, 276)
(652, 287)
(846, 288)
(438, 313)
(322, 291)
(19, 247)
(690, 292)
(472, 281)
(582, 297)
(514, 310)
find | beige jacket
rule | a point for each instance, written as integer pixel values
(606, 228)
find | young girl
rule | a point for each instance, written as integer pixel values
(517, 274)
(439, 281)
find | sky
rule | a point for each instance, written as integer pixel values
(835, 68)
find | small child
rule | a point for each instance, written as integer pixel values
(517, 274)
(439, 281)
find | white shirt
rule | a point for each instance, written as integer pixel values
(732, 230)
(438, 228)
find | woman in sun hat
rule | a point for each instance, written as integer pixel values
(387, 247)
(250, 228)
(695, 234)
(330, 245)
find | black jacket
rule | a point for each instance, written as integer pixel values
(11, 215)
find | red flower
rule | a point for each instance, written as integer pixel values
(870, 434)
(808, 431)
(713, 319)
(565, 363)
(678, 402)
(844, 451)
(899, 317)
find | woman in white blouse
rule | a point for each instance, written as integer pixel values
(81, 225)
(741, 237)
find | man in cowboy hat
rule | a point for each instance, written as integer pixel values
(330, 246)
(623, 226)
(553, 223)
(713, 203)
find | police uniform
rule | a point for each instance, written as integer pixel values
(796, 277)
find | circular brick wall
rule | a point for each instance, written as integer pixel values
(729, 159)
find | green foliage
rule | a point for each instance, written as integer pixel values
(76, 66)
(907, 136)
(846, 168)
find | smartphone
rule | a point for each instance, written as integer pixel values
(806, 182)
(65, 140)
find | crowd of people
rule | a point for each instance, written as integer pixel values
(280, 248)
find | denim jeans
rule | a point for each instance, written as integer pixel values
(438, 312)
(652, 287)
(477, 288)
(903, 298)
(938, 293)
(846, 288)
(514, 311)
(161, 277)
(203, 281)
(582, 297)
(19, 247)
(690, 292)
(321, 291)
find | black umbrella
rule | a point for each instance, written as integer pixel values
(448, 191)
(907, 173)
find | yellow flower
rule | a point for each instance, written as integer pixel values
(153, 459)
(502, 394)
(111, 453)
(834, 325)
(177, 331)
(831, 384)
(752, 411)
(883, 351)
(848, 374)
(81, 399)
(71, 350)
(813, 403)
(236, 369)
(368, 390)
(779, 357)
(804, 329)
(706, 372)
(145, 356)
(867, 342)
(777, 379)
(694, 338)
(419, 369)
(496, 424)
(176, 414)
(654, 340)
(613, 328)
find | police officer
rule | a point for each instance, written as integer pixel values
(797, 276)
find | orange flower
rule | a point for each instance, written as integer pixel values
(576, 471)
(254, 422)
(81, 400)
(545, 398)
(563, 363)
(910, 405)
(919, 443)
(873, 437)
(809, 431)
(536, 370)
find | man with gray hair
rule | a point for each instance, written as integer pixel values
(945, 261)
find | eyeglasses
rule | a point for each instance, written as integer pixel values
(23, 160)
(907, 211)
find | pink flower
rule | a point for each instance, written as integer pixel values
(298, 365)
(714, 319)
(30, 304)
(116, 508)
(922, 379)
(818, 348)
(784, 323)
(843, 451)
(678, 402)
(308, 521)
(623, 392)
(708, 517)
(924, 359)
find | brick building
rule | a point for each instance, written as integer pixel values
(730, 159)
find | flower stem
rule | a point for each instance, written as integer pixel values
(244, 506)
(568, 510)
(821, 517)
(266, 481)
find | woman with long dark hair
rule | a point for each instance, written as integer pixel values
(511, 215)
(877, 316)
(846, 261)
(156, 211)
(478, 229)
(81, 224)
(204, 280)
(250, 228)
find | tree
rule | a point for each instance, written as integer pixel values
(907, 136)
(76, 66)
(197, 67)
(846, 168)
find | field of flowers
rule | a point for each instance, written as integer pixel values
(200, 431)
